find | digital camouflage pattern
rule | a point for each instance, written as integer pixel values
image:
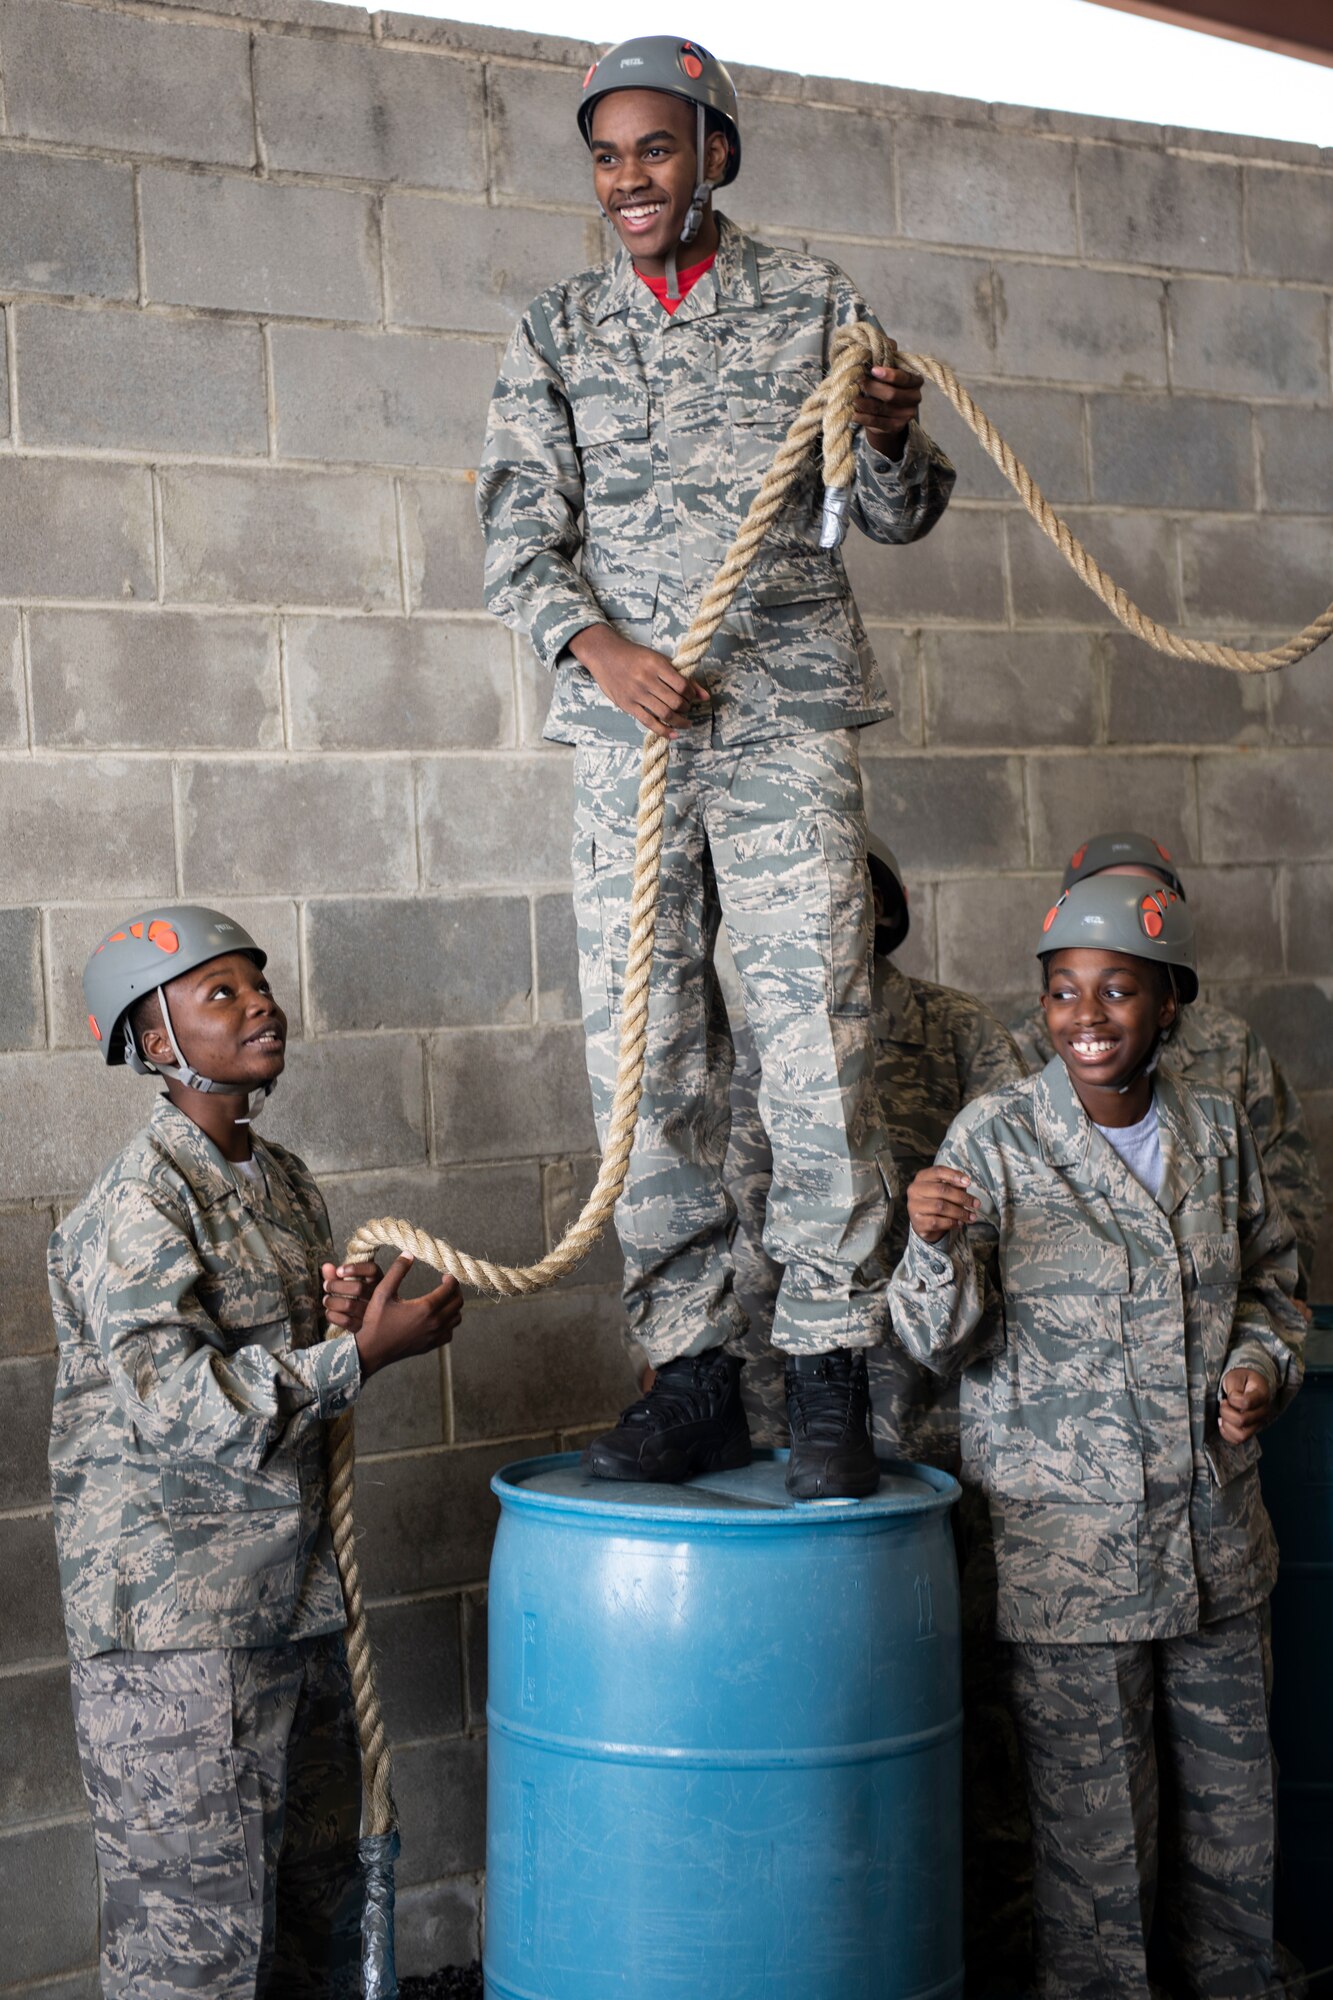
(187, 1442)
(1152, 1788)
(1211, 1045)
(1095, 1325)
(623, 449)
(225, 1787)
(935, 1050)
(769, 840)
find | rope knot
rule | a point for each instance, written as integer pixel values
(864, 339)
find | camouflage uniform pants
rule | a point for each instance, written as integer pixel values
(768, 839)
(225, 1790)
(1150, 1779)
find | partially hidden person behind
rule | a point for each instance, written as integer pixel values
(1211, 1045)
(638, 407)
(1100, 1247)
(204, 1612)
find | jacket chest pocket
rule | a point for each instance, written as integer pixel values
(1211, 1271)
(236, 1539)
(612, 434)
(244, 1291)
(760, 411)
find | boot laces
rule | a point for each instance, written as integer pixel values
(685, 1392)
(824, 1407)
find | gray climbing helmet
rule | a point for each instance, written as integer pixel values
(142, 956)
(1129, 914)
(1120, 850)
(682, 69)
(887, 877)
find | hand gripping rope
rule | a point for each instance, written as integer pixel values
(826, 411)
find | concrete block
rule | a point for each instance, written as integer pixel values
(899, 657)
(1289, 223)
(1309, 919)
(382, 684)
(1070, 325)
(98, 823)
(989, 927)
(530, 136)
(475, 1637)
(298, 538)
(26, 1386)
(956, 572)
(85, 1985)
(1152, 700)
(558, 1359)
(433, 961)
(440, 1789)
(1265, 572)
(425, 1519)
(13, 699)
(557, 959)
(75, 530)
(154, 680)
(566, 1185)
(929, 302)
(493, 1211)
(803, 165)
(1266, 806)
(1296, 452)
(1237, 922)
(1301, 710)
(1139, 205)
(472, 38)
(437, 1924)
(1071, 798)
(511, 1093)
(353, 1103)
(25, 1306)
(494, 820)
(34, 1629)
(402, 1408)
(1138, 549)
(260, 246)
(94, 78)
(336, 107)
(39, 1762)
(418, 1659)
(1248, 339)
(335, 824)
(1171, 451)
(998, 190)
(49, 1871)
(1045, 428)
(1294, 1020)
(67, 226)
(22, 1012)
(383, 398)
(65, 1119)
(444, 546)
(134, 380)
(944, 813)
(73, 929)
(990, 690)
(472, 268)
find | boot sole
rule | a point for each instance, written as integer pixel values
(732, 1456)
(814, 1486)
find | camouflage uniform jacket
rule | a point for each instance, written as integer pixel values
(1096, 1324)
(1211, 1045)
(187, 1443)
(623, 449)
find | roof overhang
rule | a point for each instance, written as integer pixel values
(1302, 28)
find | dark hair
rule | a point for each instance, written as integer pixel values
(145, 1012)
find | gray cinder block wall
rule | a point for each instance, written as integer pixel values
(255, 276)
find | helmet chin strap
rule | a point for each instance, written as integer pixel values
(698, 201)
(181, 1071)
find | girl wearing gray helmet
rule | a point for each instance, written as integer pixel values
(1098, 1248)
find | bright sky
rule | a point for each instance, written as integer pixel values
(1064, 55)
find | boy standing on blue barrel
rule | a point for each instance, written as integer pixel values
(637, 409)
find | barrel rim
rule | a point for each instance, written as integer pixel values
(941, 1492)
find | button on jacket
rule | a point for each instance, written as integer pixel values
(623, 449)
(187, 1443)
(1096, 1324)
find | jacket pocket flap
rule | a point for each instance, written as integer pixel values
(1216, 1259)
(609, 417)
(796, 577)
(220, 1489)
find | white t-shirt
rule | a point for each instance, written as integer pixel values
(1140, 1147)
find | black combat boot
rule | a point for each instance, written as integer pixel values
(828, 1408)
(690, 1421)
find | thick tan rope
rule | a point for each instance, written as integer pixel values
(826, 411)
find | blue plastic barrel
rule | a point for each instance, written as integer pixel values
(724, 1740)
(1297, 1474)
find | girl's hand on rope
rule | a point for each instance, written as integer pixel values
(347, 1293)
(394, 1329)
(889, 399)
(639, 681)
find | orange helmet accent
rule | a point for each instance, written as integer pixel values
(117, 937)
(97, 1032)
(163, 936)
(690, 63)
(1151, 916)
(1050, 917)
(588, 78)
(136, 930)
(1161, 850)
(1076, 858)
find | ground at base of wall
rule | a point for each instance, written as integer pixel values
(456, 1982)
